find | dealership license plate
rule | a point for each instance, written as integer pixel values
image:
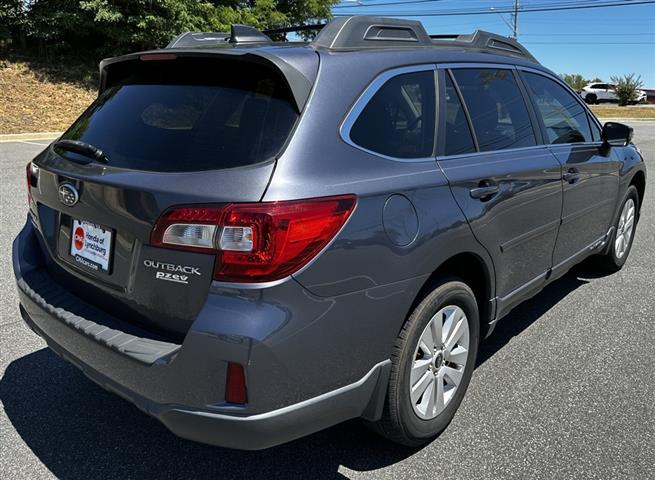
(91, 245)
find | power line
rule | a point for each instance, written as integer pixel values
(530, 9)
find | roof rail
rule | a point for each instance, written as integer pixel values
(488, 41)
(359, 32)
(365, 32)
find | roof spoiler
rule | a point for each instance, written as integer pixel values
(299, 85)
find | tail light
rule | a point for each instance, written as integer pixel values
(255, 242)
(32, 174)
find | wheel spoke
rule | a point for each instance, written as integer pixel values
(428, 339)
(419, 387)
(448, 325)
(439, 400)
(619, 246)
(458, 331)
(453, 374)
(436, 328)
(428, 397)
(458, 355)
(418, 369)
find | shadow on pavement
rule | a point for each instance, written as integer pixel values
(79, 431)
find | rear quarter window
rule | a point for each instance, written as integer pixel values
(181, 116)
(399, 120)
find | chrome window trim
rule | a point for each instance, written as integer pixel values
(504, 66)
(365, 97)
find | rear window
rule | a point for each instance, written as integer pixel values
(189, 115)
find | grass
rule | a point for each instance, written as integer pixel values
(614, 111)
(37, 96)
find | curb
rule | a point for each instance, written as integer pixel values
(19, 137)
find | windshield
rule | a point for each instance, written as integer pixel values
(180, 116)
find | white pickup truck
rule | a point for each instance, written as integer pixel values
(605, 92)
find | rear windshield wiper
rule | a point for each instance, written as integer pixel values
(82, 148)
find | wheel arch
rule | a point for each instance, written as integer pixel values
(475, 272)
(639, 181)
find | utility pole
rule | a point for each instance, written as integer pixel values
(515, 34)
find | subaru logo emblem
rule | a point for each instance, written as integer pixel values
(68, 194)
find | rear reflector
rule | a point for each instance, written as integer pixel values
(235, 384)
(255, 242)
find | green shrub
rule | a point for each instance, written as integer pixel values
(576, 81)
(627, 88)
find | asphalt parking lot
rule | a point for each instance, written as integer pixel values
(565, 388)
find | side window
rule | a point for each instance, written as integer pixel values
(498, 112)
(399, 120)
(564, 118)
(457, 138)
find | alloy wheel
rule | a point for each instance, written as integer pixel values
(625, 228)
(439, 362)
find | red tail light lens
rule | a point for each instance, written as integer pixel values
(235, 384)
(255, 242)
(32, 174)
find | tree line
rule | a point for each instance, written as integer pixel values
(103, 28)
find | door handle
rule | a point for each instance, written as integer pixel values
(571, 176)
(484, 192)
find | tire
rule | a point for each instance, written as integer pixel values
(591, 99)
(621, 239)
(408, 419)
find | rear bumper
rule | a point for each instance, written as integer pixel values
(182, 385)
(254, 432)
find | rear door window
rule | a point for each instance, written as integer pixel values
(563, 117)
(498, 112)
(457, 138)
(399, 120)
(182, 116)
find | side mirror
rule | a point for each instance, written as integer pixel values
(617, 134)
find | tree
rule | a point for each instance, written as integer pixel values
(111, 27)
(12, 17)
(576, 81)
(627, 88)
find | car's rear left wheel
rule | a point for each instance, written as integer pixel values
(432, 363)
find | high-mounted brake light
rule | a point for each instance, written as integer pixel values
(255, 242)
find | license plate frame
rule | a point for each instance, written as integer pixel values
(91, 245)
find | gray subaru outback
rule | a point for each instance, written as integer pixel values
(254, 240)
